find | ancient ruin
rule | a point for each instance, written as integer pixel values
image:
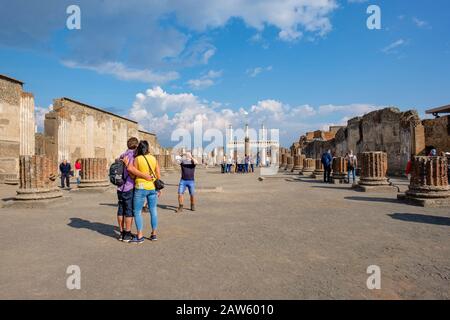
(93, 174)
(374, 166)
(17, 127)
(309, 165)
(37, 175)
(290, 163)
(298, 163)
(339, 170)
(429, 185)
(319, 171)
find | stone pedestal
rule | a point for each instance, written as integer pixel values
(319, 171)
(373, 173)
(93, 174)
(283, 164)
(298, 163)
(339, 170)
(37, 175)
(168, 163)
(309, 165)
(429, 183)
(290, 163)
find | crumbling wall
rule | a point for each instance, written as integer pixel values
(437, 133)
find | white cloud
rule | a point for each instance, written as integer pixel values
(39, 115)
(120, 71)
(204, 81)
(392, 48)
(421, 23)
(256, 71)
(159, 111)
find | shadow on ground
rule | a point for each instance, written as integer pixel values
(102, 228)
(421, 218)
(374, 199)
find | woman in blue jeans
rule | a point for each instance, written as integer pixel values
(145, 190)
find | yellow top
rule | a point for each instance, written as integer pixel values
(142, 166)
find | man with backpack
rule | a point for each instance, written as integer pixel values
(352, 163)
(327, 160)
(120, 176)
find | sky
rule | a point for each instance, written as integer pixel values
(294, 65)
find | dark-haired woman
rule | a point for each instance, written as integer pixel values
(145, 190)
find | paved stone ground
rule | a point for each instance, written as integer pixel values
(276, 239)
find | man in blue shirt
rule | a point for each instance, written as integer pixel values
(327, 161)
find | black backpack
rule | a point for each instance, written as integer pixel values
(117, 173)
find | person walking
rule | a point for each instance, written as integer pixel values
(65, 169)
(327, 160)
(252, 164)
(188, 164)
(229, 164)
(144, 189)
(78, 170)
(352, 163)
(246, 163)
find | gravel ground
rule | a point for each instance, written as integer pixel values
(282, 238)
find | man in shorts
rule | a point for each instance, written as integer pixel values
(188, 164)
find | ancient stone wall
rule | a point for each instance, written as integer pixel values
(437, 133)
(399, 134)
(75, 130)
(17, 126)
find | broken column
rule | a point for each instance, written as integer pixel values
(298, 163)
(429, 182)
(37, 174)
(93, 174)
(283, 161)
(339, 170)
(309, 165)
(290, 163)
(319, 171)
(374, 166)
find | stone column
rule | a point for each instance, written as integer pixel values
(93, 174)
(290, 163)
(374, 166)
(429, 185)
(37, 174)
(339, 170)
(318, 173)
(298, 163)
(309, 165)
(161, 163)
(283, 161)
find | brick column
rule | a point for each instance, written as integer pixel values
(309, 165)
(318, 173)
(283, 161)
(374, 166)
(339, 170)
(290, 163)
(429, 182)
(93, 173)
(298, 163)
(37, 174)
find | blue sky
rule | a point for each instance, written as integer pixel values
(297, 65)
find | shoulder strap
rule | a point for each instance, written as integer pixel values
(150, 167)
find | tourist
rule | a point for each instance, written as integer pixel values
(257, 160)
(229, 164)
(144, 189)
(65, 170)
(433, 153)
(188, 164)
(246, 163)
(224, 164)
(252, 164)
(78, 170)
(327, 161)
(352, 163)
(125, 193)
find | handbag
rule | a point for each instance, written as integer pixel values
(159, 184)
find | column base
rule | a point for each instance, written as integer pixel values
(374, 188)
(308, 173)
(318, 174)
(338, 178)
(11, 182)
(37, 194)
(425, 202)
(93, 185)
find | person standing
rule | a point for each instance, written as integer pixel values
(246, 163)
(188, 164)
(125, 193)
(352, 163)
(327, 161)
(65, 169)
(78, 170)
(144, 189)
(252, 164)
(229, 164)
